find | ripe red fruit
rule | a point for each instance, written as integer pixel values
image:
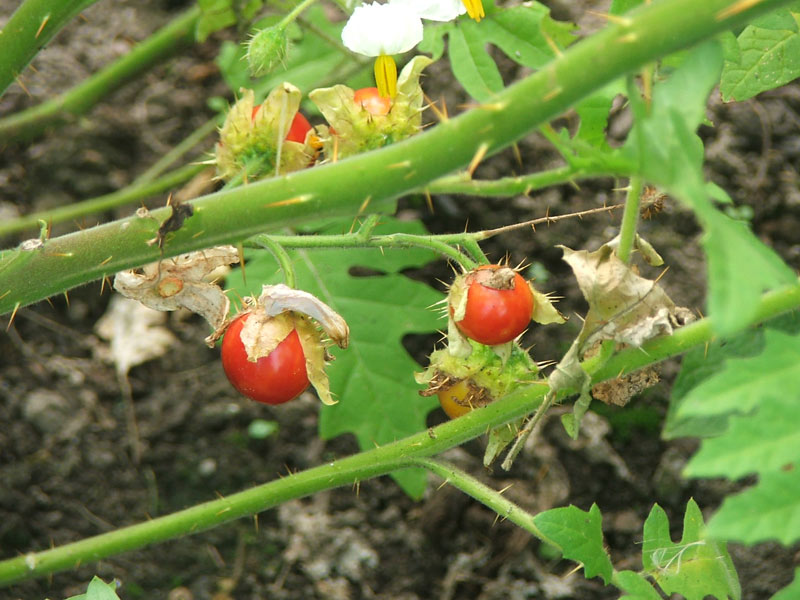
(372, 101)
(273, 379)
(498, 306)
(297, 132)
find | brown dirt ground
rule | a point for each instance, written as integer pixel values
(65, 469)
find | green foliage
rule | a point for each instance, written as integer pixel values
(373, 378)
(219, 14)
(770, 510)
(765, 55)
(695, 567)
(579, 535)
(764, 424)
(635, 586)
(756, 422)
(308, 62)
(525, 33)
(663, 139)
(98, 590)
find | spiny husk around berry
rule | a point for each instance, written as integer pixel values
(251, 142)
(483, 367)
(353, 129)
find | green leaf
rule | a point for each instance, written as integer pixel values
(769, 510)
(98, 590)
(740, 269)
(695, 567)
(766, 55)
(635, 586)
(373, 379)
(791, 591)
(698, 365)
(471, 64)
(525, 33)
(619, 7)
(593, 112)
(219, 14)
(579, 535)
(748, 383)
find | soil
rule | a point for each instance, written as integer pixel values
(66, 467)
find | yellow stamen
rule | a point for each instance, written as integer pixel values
(386, 76)
(474, 9)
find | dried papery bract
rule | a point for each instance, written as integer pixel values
(183, 282)
(277, 299)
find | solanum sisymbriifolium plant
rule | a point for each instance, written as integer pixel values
(310, 282)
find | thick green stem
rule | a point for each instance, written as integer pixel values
(57, 111)
(367, 181)
(630, 218)
(484, 494)
(379, 461)
(33, 24)
(126, 196)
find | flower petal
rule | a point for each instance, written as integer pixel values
(442, 10)
(375, 29)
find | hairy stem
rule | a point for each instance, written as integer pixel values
(372, 463)
(483, 494)
(630, 218)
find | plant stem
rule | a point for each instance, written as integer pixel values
(186, 145)
(295, 12)
(372, 463)
(279, 252)
(33, 24)
(630, 218)
(129, 195)
(483, 494)
(375, 178)
(77, 101)
(461, 183)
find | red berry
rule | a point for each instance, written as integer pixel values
(499, 305)
(300, 127)
(297, 132)
(273, 379)
(372, 101)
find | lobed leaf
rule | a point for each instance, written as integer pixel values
(765, 55)
(769, 510)
(579, 536)
(695, 567)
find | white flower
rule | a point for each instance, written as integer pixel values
(442, 10)
(376, 29)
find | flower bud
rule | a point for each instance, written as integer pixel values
(266, 49)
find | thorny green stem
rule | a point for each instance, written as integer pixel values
(468, 484)
(440, 244)
(279, 252)
(630, 218)
(372, 463)
(129, 195)
(166, 41)
(376, 177)
(33, 24)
